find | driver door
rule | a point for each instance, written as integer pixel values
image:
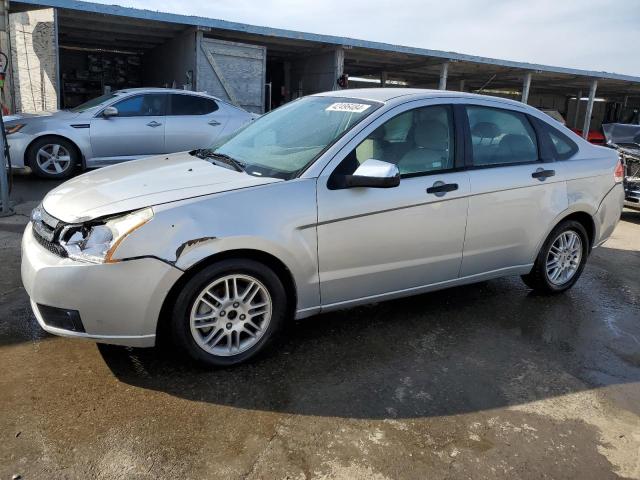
(378, 242)
(137, 130)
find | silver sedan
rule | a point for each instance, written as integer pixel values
(119, 126)
(333, 200)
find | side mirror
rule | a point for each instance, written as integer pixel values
(374, 174)
(110, 112)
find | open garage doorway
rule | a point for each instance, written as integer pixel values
(99, 54)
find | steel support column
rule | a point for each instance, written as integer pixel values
(338, 66)
(462, 85)
(623, 107)
(576, 113)
(587, 113)
(383, 79)
(526, 86)
(444, 71)
(5, 205)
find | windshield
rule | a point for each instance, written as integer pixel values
(285, 141)
(94, 102)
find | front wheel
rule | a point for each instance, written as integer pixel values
(52, 157)
(229, 312)
(561, 259)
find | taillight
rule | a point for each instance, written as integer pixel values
(618, 173)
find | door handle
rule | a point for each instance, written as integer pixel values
(153, 124)
(541, 174)
(440, 189)
(214, 123)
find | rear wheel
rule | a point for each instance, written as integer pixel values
(561, 259)
(229, 312)
(52, 157)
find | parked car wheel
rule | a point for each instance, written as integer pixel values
(229, 312)
(52, 157)
(561, 259)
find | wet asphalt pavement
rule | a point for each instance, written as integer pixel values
(482, 381)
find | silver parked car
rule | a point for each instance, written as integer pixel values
(119, 126)
(330, 201)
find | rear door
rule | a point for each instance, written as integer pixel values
(192, 122)
(378, 241)
(516, 193)
(137, 130)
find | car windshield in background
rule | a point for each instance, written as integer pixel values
(285, 141)
(94, 102)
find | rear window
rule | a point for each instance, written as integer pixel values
(192, 105)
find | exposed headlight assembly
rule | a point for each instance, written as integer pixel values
(97, 242)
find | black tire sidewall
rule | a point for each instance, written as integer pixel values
(180, 327)
(39, 143)
(569, 225)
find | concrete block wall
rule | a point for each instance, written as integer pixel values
(6, 94)
(34, 58)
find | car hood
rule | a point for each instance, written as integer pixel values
(143, 183)
(55, 115)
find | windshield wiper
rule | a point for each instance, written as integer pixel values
(221, 157)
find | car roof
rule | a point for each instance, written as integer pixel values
(387, 94)
(164, 90)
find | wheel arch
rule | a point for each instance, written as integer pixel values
(267, 259)
(580, 216)
(586, 221)
(54, 135)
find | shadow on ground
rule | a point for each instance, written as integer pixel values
(631, 216)
(460, 350)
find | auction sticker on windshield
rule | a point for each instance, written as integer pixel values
(347, 107)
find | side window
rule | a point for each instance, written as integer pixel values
(192, 105)
(151, 105)
(500, 136)
(562, 146)
(418, 141)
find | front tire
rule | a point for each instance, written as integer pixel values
(229, 312)
(53, 157)
(561, 260)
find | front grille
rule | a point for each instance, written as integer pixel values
(50, 246)
(46, 231)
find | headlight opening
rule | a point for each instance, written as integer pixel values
(98, 242)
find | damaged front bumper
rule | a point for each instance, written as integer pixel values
(631, 160)
(117, 303)
(625, 138)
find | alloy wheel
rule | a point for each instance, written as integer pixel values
(53, 158)
(231, 315)
(564, 257)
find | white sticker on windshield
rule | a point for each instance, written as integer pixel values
(347, 107)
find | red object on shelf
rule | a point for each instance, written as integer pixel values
(594, 136)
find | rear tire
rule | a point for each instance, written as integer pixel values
(561, 260)
(229, 312)
(53, 157)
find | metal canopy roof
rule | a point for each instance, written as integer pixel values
(84, 22)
